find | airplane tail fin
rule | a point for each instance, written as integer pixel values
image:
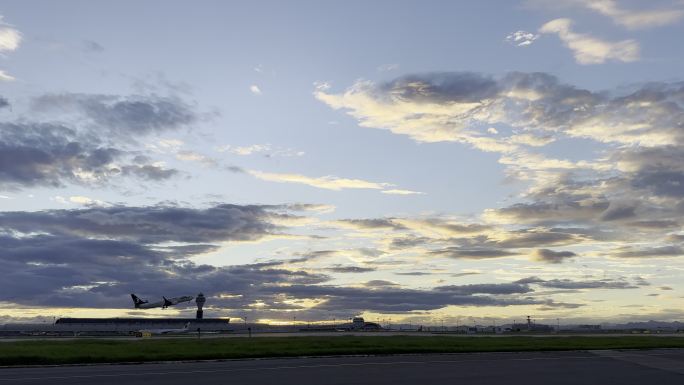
(167, 303)
(137, 301)
(187, 326)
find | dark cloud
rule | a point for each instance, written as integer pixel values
(129, 116)
(92, 257)
(95, 145)
(551, 305)
(499, 288)
(654, 224)
(468, 253)
(373, 224)
(51, 155)
(647, 252)
(668, 183)
(464, 274)
(538, 237)
(4, 103)
(618, 212)
(408, 242)
(395, 300)
(149, 225)
(442, 87)
(551, 256)
(576, 285)
(42, 154)
(350, 269)
(149, 172)
(95, 257)
(562, 209)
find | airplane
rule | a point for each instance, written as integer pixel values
(185, 329)
(166, 302)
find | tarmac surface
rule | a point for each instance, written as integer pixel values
(662, 366)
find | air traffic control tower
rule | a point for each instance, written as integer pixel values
(200, 300)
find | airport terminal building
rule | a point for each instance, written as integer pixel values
(115, 326)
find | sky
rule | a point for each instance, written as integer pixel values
(419, 161)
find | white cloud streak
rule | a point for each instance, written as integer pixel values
(634, 19)
(402, 192)
(328, 182)
(264, 149)
(588, 49)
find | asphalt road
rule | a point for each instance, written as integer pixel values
(660, 367)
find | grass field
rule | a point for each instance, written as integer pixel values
(100, 350)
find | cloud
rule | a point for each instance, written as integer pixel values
(192, 156)
(255, 89)
(264, 149)
(370, 224)
(630, 193)
(126, 117)
(85, 201)
(89, 256)
(588, 49)
(522, 38)
(350, 269)
(153, 224)
(551, 256)
(487, 288)
(413, 273)
(326, 182)
(150, 172)
(5, 77)
(402, 192)
(389, 299)
(578, 285)
(660, 251)
(618, 212)
(634, 19)
(452, 107)
(10, 38)
(87, 139)
(470, 253)
(50, 155)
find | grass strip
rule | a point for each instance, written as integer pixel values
(161, 349)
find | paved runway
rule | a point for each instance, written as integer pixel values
(660, 367)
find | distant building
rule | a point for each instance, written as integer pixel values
(114, 326)
(358, 323)
(588, 327)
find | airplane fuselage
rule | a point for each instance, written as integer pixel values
(164, 303)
